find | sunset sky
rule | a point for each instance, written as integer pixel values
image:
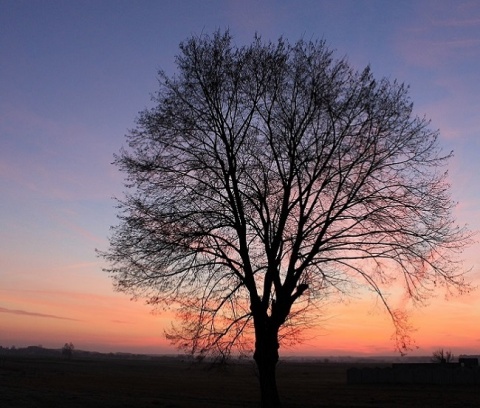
(75, 74)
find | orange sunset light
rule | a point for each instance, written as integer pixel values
(74, 75)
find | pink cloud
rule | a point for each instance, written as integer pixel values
(63, 161)
(33, 314)
(433, 53)
(433, 40)
(76, 229)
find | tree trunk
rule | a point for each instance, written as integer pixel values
(266, 357)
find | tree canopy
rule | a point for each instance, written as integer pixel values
(270, 176)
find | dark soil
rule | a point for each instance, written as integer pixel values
(162, 383)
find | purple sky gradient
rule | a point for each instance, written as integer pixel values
(74, 75)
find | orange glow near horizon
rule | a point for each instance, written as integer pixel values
(58, 136)
(88, 313)
(92, 322)
(114, 323)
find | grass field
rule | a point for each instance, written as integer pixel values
(94, 383)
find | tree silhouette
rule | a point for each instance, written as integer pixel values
(67, 350)
(442, 356)
(269, 177)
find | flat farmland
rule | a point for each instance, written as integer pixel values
(94, 383)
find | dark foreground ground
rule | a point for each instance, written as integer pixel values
(90, 383)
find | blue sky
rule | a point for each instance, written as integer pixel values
(74, 75)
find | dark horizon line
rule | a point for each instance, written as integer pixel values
(323, 357)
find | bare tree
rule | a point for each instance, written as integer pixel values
(269, 177)
(67, 350)
(442, 356)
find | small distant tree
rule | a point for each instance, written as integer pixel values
(442, 356)
(268, 178)
(67, 350)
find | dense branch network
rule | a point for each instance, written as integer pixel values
(270, 176)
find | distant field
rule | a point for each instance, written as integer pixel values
(90, 383)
